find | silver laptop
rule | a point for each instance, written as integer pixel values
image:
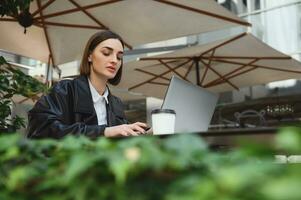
(194, 105)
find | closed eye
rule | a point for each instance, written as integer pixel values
(107, 51)
(120, 56)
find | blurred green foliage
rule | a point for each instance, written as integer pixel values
(12, 82)
(178, 167)
(13, 7)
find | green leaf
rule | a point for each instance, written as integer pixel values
(185, 149)
(284, 188)
(289, 139)
(78, 164)
(13, 81)
(119, 165)
(20, 176)
(2, 60)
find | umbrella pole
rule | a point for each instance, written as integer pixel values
(197, 69)
(48, 70)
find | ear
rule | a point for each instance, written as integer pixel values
(90, 58)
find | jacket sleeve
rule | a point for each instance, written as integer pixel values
(118, 110)
(52, 116)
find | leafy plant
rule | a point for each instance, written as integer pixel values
(12, 82)
(176, 167)
(13, 7)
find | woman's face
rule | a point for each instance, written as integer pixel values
(106, 58)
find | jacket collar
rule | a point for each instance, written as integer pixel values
(83, 102)
(96, 96)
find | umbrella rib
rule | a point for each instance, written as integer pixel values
(70, 25)
(219, 80)
(8, 19)
(170, 68)
(188, 70)
(42, 8)
(206, 70)
(166, 58)
(258, 66)
(94, 19)
(205, 12)
(219, 75)
(89, 14)
(158, 83)
(14, 19)
(204, 75)
(255, 67)
(46, 33)
(277, 69)
(224, 43)
(77, 9)
(158, 76)
(249, 57)
(243, 72)
(149, 73)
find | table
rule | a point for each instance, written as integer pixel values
(229, 138)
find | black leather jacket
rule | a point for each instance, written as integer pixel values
(68, 109)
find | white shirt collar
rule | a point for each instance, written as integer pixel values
(96, 96)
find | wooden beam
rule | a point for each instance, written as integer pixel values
(149, 73)
(257, 66)
(95, 20)
(206, 68)
(8, 20)
(253, 68)
(158, 83)
(158, 76)
(89, 15)
(77, 9)
(42, 8)
(170, 68)
(188, 70)
(219, 75)
(166, 58)
(46, 33)
(230, 73)
(223, 44)
(235, 75)
(197, 70)
(249, 57)
(204, 12)
(71, 25)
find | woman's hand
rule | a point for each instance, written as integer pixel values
(125, 130)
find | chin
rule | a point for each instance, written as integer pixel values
(111, 76)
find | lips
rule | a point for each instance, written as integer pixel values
(111, 69)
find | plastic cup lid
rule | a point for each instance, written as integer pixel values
(156, 111)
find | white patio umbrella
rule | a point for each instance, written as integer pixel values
(63, 27)
(223, 65)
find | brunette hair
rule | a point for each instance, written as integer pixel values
(94, 40)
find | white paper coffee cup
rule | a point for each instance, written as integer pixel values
(163, 121)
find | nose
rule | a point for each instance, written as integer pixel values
(114, 59)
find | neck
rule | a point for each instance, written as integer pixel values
(98, 83)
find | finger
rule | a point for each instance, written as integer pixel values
(141, 124)
(135, 133)
(130, 131)
(127, 130)
(138, 128)
(124, 133)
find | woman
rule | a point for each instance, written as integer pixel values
(85, 106)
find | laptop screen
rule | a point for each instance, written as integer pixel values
(194, 106)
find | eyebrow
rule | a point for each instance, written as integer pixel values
(110, 48)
